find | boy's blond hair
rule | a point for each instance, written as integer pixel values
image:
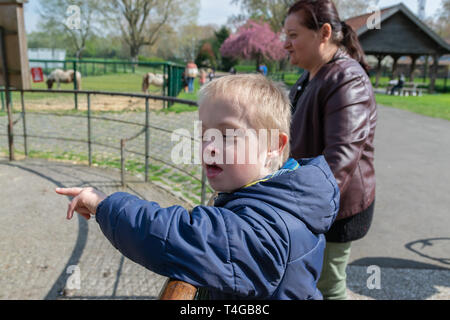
(271, 108)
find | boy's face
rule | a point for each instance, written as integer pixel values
(222, 153)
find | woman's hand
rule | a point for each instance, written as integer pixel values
(85, 201)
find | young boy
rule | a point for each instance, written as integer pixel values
(263, 238)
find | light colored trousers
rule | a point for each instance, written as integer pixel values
(332, 282)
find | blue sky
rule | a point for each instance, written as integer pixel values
(218, 11)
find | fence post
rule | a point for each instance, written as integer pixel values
(75, 84)
(203, 197)
(89, 129)
(24, 123)
(147, 138)
(2, 98)
(164, 88)
(122, 162)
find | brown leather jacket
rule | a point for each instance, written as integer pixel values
(335, 116)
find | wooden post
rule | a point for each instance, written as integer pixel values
(413, 67)
(425, 69)
(177, 290)
(434, 72)
(394, 66)
(380, 59)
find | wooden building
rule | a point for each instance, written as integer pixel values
(400, 33)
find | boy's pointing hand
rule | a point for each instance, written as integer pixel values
(85, 200)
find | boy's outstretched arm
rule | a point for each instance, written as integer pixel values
(242, 253)
(85, 200)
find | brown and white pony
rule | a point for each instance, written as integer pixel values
(59, 75)
(152, 79)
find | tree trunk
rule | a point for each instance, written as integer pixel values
(134, 53)
(258, 62)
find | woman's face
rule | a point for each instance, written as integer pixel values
(301, 43)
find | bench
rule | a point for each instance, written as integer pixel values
(409, 89)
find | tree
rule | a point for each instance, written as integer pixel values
(440, 23)
(191, 37)
(141, 21)
(206, 56)
(220, 36)
(271, 11)
(274, 11)
(255, 41)
(73, 18)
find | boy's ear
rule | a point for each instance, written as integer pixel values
(277, 147)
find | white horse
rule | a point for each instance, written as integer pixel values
(59, 75)
(152, 79)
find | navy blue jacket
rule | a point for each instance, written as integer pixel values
(264, 241)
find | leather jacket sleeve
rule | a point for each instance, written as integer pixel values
(347, 128)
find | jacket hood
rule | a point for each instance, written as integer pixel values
(310, 193)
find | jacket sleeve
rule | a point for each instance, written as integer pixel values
(347, 127)
(209, 247)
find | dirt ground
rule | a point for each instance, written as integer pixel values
(98, 103)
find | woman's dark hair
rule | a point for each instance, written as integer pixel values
(318, 12)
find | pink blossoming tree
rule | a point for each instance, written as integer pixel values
(254, 41)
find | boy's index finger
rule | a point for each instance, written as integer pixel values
(69, 191)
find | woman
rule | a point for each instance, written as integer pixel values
(334, 114)
(191, 73)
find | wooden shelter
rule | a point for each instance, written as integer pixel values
(402, 33)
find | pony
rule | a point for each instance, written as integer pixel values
(59, 75)
(152, 78)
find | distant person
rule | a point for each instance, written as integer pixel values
(184, 82)
(263, 69)
(191, 73)
(202, 77)
(211, 75)
(232, 70)
(399, 86)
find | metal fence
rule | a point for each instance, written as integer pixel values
(171, 71)
(143, 132)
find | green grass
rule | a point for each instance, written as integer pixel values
(441, 86)
(432, 105)
(179, 107)
(436, 106)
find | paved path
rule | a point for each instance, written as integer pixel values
(38, 245)
(408, 242)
